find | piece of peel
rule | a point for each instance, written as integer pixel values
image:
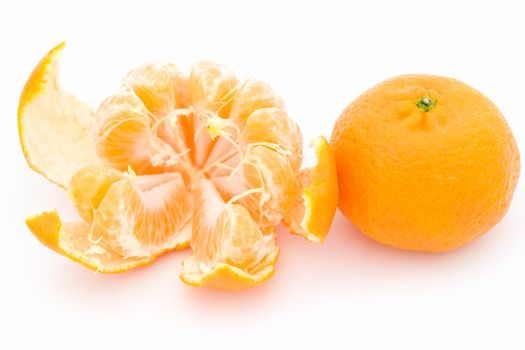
(72, 239)
(55, 128)
(314, 211)
(225, 276)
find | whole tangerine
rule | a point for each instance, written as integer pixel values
(424, 163)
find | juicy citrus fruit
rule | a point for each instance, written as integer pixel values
(424, 163)
(204, 161)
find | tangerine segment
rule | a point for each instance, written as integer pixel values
(89, 186)
(312, 215)
(135, 215)
(273, 125)
(71, 239)
(229, 249)
(253, 95)
(127, 136)
(54, 127)
(212, 87)
(161, 87)
(268, 169)
(265, 185)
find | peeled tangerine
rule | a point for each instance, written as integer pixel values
(169, 162)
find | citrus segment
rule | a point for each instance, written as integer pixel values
(135, 215)
(128, 135)
(264, 183)
(252, 95)
(55, 128)
(314, 210)
(229, 250)
(212, 87)
(267, 169)
(160, 86)
(72, 239)
(89, 186)
(146, 215)
(274, 126)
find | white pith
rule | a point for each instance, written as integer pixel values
(55, 128)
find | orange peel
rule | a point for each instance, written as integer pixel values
(70, 239)
(54, 127)
(314, 211)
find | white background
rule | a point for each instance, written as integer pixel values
(349, 292)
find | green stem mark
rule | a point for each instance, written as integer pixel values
(426, 103)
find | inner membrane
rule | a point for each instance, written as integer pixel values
(195, 142)
(205, 146)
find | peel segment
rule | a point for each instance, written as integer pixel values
(224, 276)
(54, 126)
(71, 239)
(314, 211)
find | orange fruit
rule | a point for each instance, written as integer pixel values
(424, 163)
(206, 161)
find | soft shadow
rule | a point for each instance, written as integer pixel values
(350, 259)
(305, 273)
(82, 282)
(347, 258)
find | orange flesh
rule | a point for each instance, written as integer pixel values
(250, 161)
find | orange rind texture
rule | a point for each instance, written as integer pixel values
(424, 178)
